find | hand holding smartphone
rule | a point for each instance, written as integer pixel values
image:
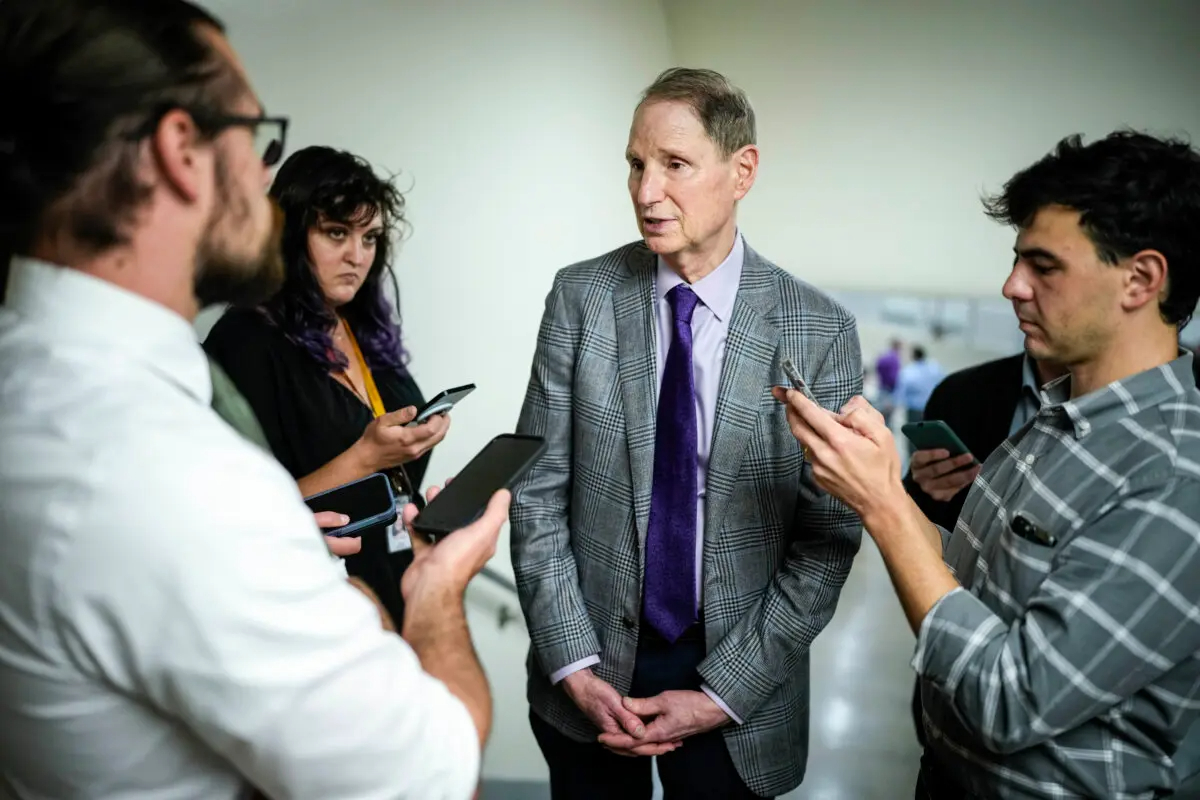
(933, 434)
(940, 478)
(441, 403)
(499, 465)
(797, 380)
(368, 502)
(454, 561)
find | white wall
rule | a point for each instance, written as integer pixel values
(881, 122)
(509, 122)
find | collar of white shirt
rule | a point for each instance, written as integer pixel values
(69, 305)
(717, 290)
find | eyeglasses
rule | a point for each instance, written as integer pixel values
(270, 133)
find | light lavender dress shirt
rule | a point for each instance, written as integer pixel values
(710, 331)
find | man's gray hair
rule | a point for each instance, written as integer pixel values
(723, 109)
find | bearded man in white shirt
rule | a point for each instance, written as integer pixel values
(144, 653)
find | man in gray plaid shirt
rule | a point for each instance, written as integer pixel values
(1059, 624)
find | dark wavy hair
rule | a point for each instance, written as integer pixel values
(1133, 192)
(341, 186)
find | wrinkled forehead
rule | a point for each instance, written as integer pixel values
(667, 126)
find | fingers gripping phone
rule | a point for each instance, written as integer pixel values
(797, 380)
(368, 502)
(933, 434)
(441, 404)
(497, 466)
(808, 487)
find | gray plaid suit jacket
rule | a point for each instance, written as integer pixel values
(775, 557)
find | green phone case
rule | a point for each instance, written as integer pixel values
(933, 434)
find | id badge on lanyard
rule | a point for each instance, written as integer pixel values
(397, 535)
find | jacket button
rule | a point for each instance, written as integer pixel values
(628, 622)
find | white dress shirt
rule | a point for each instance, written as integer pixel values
(717, 292)
(145, 651)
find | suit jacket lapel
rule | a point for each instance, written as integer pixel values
(633, 308)
(746, 376)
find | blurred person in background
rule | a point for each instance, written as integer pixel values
(887, 371)
(915, 383)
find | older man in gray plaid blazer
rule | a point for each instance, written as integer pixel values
(650, 632)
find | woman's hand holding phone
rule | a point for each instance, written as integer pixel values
(388, 442)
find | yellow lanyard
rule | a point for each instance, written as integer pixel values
(401, 485)
(368, 380)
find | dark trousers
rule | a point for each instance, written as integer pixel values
(918, 713)
(700, 769)
(934, 784)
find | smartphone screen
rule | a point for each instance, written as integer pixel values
(367, 502)
(497, 466)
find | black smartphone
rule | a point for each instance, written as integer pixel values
(933, 434)
(497, 466)
(368, 502)
(443, 402)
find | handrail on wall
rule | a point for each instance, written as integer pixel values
(498, 579)
(505, 614)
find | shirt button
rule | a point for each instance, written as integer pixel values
(1029, 459)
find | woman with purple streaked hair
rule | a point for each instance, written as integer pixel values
(322, 362)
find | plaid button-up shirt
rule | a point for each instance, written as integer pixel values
(1068, 664)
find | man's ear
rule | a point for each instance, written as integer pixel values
(181, 155)
(1146, 279)
(745, 163)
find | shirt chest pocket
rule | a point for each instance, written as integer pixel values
(1018, 568)
(1023, 553)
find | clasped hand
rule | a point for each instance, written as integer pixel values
(649, 726)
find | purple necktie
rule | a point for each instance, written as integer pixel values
(670, 599)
